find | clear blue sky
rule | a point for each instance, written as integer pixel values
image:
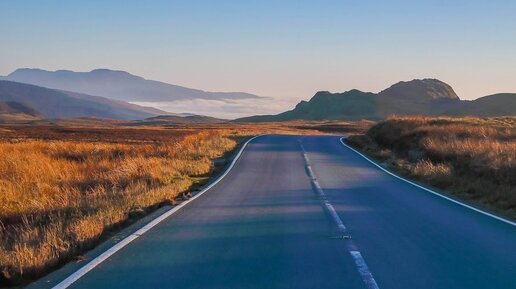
(287, 49)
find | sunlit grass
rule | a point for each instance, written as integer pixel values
(59, 197)
(63, 187)
(473, 158)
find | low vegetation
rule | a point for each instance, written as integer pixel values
(471, 158)
(58, 198)
(66, 186)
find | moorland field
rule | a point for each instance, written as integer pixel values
(473, 159)
(65, 187)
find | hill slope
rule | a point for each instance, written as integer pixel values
(501, 104)
(16, 107)
(62, 104)
(119, 85)
(11, 111)
(354, 104)
(430, 97)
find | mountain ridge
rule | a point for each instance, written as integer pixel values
(430, 88)
(52, 103)
(498, 104)
(116, 84)
(430, 97)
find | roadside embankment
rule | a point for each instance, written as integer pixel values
(473, 159)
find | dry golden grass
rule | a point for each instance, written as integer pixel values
(58, 197)
(64, 187)
(473, 158)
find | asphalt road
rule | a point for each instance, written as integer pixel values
(266, 225)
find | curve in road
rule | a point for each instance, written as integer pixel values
(265, 225)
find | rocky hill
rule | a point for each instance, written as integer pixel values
(430, 97)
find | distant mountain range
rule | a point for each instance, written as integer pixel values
(429, 97)
(51, 103)
(114, 84)
(22, 101)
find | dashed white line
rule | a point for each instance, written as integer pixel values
(320, 192)
(335, 216)
(310, 172)
(363, 270)
(329, 207)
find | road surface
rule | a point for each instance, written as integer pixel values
(341, 223)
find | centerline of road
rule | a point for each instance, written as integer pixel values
(360, 262)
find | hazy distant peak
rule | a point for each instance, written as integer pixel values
(99, 72)
(117, 84)
(51, 103)
(26, 70)
(109, 72)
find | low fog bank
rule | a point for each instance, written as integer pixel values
(227, 109)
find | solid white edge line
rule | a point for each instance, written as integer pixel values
(427, 189)
(364, 271)
(102, 257)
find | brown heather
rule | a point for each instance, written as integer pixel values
(472, 158)
(57, 198)
(65, 187)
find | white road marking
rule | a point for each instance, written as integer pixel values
(102, 257)
(319, 190)
(310, 172)
(305, 157)
(428, 190)
(329, 207)
(363, 270)
(335, 216)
